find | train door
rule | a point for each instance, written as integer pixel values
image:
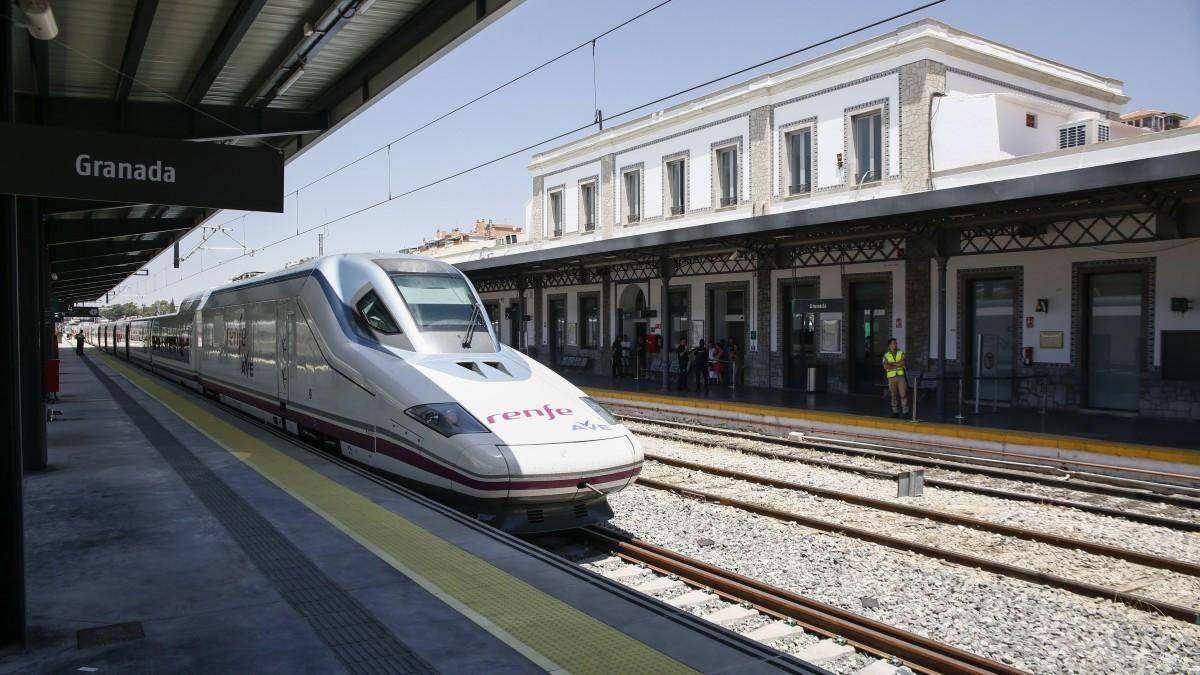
(127, 342)
(285, 320)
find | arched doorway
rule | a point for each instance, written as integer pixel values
(631, 315)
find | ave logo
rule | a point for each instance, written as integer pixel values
(588, 425)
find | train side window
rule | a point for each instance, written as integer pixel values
(376, 315)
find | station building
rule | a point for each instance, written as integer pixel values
(924, 176)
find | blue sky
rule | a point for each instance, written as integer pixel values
(1155, 50)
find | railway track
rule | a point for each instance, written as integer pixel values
(1141, 602)
(902, 457)
(1138, 557)
(789, 613)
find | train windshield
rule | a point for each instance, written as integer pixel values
(438, 302)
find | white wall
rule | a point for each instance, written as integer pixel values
(1047, 274)
(697, 137)
(965, 131)
(569, 179)
(959, 83)
(829, 109)
(1015, 138)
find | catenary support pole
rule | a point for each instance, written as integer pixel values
(29, 271)
(664, 319)
(941, 331)
(12, 555)
(522, 338)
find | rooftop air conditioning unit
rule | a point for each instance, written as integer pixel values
(1084, 132)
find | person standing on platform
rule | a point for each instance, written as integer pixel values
(893, 366)
(700, 366)
(682, 352)
(736, 378)
(616, 357)
(79, 343)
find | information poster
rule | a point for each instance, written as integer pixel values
(831, 336)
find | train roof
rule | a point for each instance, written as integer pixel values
(390, 262)
(393, 263)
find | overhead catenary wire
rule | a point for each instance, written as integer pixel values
(769, 61)
(368, 207)
(598, 121)
(591, 41)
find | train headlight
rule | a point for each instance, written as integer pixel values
(600, 410)
(447, 419)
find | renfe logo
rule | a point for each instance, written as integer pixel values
(544, 411)
(155, 173)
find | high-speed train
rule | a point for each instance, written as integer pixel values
(390, 361)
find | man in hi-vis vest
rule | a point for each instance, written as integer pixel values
(893, 365)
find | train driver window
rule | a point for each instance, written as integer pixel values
(376, 315)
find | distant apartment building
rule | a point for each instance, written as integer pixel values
(1154, 120)
(986, 206)
(485, 234)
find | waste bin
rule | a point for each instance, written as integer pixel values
(815, 379)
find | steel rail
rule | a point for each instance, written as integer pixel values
(1146, 518)
(1182, 612)
(1138, 557)
(921, 653)
(903, 455)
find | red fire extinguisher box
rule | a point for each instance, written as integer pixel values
(52, 376)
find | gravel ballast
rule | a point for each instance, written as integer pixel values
(1036, 628)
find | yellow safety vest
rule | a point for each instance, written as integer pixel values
(894, 358)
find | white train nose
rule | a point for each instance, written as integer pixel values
(561, 469)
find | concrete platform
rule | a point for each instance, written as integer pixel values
(1106, 444)
(232, 550)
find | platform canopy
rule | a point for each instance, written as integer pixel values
(283, 73)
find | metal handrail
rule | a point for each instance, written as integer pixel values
(961, 379)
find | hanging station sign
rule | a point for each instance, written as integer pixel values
(810, 306)
(77, 164)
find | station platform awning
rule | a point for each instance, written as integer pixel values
(1164, 185)
(235, 72)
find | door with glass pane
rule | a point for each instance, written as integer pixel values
(868, 335)
(992, 346)
(558, 329)
(799, 328)
(1113, 340)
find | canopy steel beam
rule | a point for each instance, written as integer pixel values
(63, 232)
(231, 36)
(99, 263)
(335, 17)
(68, 276)
(93, 249)
(135, 44)
(170, 120)
(88, 291)
(73, 285)
(404, 39)
(54, 206)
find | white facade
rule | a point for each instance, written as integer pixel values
(952, 110)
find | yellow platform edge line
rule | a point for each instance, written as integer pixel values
(1153, 452)
(548, 631)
